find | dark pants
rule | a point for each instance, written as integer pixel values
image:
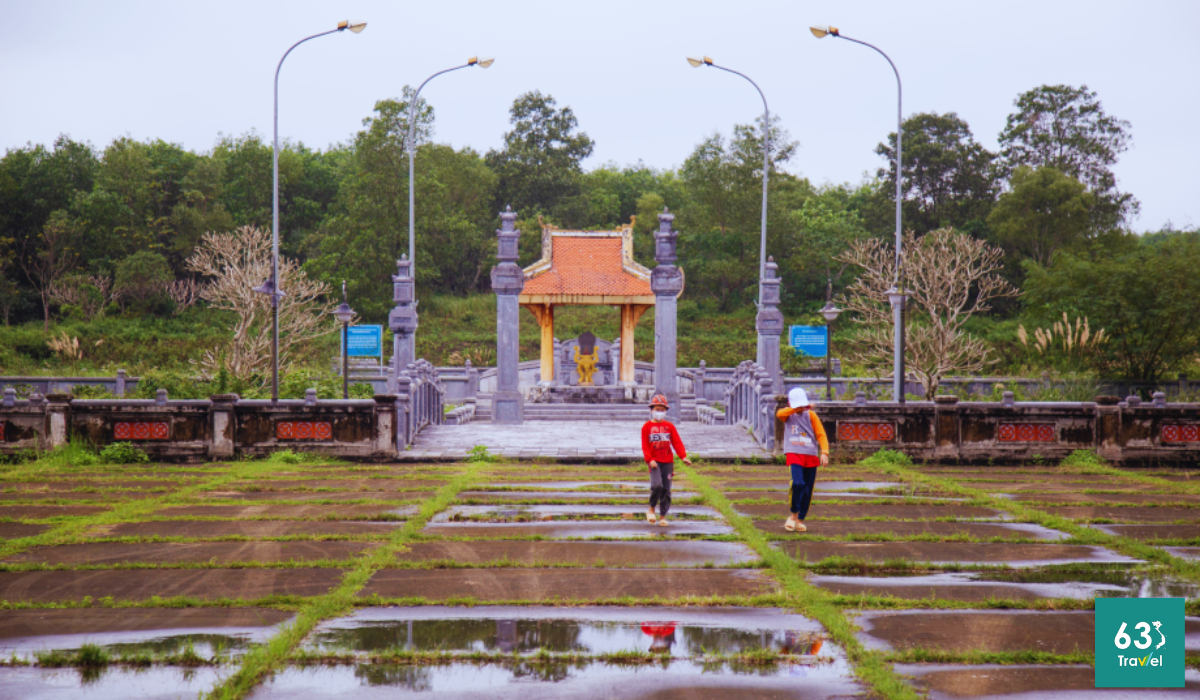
(660, 487)
(801, 492)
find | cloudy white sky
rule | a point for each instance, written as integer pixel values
(186, 71)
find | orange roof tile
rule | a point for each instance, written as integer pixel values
(586, 266)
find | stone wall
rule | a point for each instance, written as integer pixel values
(222, 427)
(1128, 432)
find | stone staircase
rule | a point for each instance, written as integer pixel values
(584, 412)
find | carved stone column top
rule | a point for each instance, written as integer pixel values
(665, 239)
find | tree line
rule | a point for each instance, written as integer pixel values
(74, 218)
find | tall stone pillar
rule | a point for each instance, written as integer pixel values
(769, 324)
(508, 406)
(403, 319)
(666, 281)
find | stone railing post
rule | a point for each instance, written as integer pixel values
(10, 396)
(403, 318)
(58, 417)
(946, 427)
(1108, 427)
(508, 406)
(403, 411)
(472, 381)
(769, 324)
(385, 426)
(119, 390)
(780, 402)
(666, 281)
(224, 427)
(698, 384)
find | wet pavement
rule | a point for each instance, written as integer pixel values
(541, 580)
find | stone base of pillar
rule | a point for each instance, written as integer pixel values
(508, 408)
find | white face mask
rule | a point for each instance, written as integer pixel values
(657, 415)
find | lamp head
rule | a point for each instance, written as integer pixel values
(355, 27)
(821, 30)
(897, 297)
(831, 311)
(344, 313)
(268, 288)
(481, 62)
(697, 62)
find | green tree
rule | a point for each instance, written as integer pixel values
(1066, 128)
(1141, 292)
(949, 179)
(1045, 211)
(539, 166)
(141, 280)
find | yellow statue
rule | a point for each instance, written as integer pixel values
(587, 365)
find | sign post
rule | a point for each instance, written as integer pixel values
(364, 341)
(812, 341)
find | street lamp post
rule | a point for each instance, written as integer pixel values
(271, 286)
(344, 314)
(830, 312)
(412, 118)
(762, 243)
(898, 286)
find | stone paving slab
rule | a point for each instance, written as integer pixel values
(949, 682)
(899, 512)
(379, 484)
(564, 584)
(315, 495)
(587, 440)
(188, 552)
(141, 584)
(1109, 499)
(982, 630)
(1016, 555)
(80, 497)
(13, 531)
(507, 496)
(842, 528)
(41, 512)
(582, 511)
(315, 512)
(212, 529)
(959, 587)
(1128, 514)
(20, 627)
(1146, 533)
(622, 554)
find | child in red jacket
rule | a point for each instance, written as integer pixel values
(659, 436)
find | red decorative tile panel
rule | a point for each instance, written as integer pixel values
(141, 430)
(304, 430)
(1026, 432)
(1181, 432)
(1, 431)
(869, 432)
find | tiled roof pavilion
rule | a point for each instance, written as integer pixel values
(587, 267)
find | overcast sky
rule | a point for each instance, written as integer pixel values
(186, 71)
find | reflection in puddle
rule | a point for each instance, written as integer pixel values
(1110, 583)
(105, 683)
(130, 645)
(589, 631)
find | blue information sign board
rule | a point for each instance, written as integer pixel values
(809, 340)
(365, 341)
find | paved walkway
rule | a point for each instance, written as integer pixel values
(577, 440)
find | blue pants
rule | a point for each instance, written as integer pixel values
(801, 492)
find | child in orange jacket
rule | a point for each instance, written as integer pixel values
(806, 446)
(659, 437)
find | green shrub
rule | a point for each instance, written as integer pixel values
(1084, 458)
(91, 391)
(123, 453)
(480, 454)
(888, 458)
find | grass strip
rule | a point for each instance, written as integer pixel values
(264, 659)
(869, 666)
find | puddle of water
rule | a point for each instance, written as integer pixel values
(207, 643)
(580, 529)
(108, 683)
(535, 513)
(568, 485)
(1109, 583)
(1066, 589)
(681, 632)
(535, 681)
(1192, 553)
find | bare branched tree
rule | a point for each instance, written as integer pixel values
(185, 293)
(238, 261)
(950, 277)
(55, 258)
(88, 293)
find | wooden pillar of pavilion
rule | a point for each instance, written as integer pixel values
(630, 315)
(544, 313)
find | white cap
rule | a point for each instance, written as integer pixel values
(797, 398)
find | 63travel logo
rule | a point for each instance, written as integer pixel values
(1139, 642)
